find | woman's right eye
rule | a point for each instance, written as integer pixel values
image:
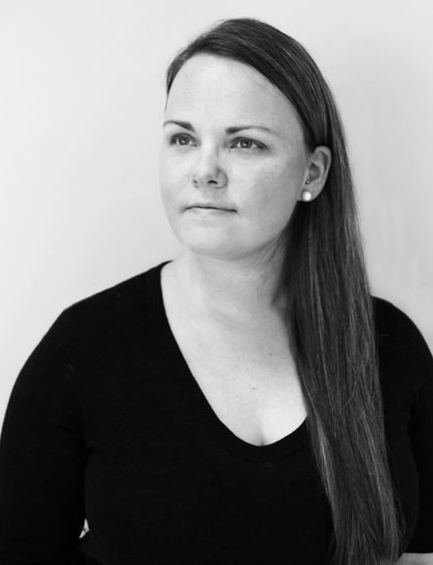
(180, 139)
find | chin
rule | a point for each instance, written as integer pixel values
(214, 249)
(210, 241)
(214, 252)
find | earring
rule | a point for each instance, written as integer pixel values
(306, 195)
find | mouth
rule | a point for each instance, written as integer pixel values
(215, 208)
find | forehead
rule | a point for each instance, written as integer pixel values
(207, 85)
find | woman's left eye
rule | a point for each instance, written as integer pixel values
(245, 143)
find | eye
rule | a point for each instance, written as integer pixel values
(180, 139)
(246, 143)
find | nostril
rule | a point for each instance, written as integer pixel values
(217, 179)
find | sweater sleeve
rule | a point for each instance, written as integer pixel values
(42, 457)
(409, 362)
(419, 362)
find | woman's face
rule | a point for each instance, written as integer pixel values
(233, 159)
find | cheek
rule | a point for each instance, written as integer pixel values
(276, 195)
(174, 172)
(169, 179)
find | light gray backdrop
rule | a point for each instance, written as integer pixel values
(81, 102)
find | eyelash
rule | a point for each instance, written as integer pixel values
(175, 138)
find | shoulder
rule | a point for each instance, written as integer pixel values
(90, 337)
(403, 351)
(394, 328)
(122, 298)
(110, 313)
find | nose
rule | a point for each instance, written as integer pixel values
(208, 170)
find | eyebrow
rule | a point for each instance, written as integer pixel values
(229, 130)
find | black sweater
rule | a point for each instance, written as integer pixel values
(106, 422)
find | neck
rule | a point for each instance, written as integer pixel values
(238, 291)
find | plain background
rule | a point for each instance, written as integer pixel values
(81, 107)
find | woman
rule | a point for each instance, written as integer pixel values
(249, 401)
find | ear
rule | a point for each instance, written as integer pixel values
(319, 163)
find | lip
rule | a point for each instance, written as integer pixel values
(210, 206)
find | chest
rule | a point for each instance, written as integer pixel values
(248, 378)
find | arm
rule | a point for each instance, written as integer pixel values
(42, 459)
(414, 355)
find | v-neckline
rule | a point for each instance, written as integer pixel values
(198, 401)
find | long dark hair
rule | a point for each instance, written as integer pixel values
(329, 314)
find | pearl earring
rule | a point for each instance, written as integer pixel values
(306, 195)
